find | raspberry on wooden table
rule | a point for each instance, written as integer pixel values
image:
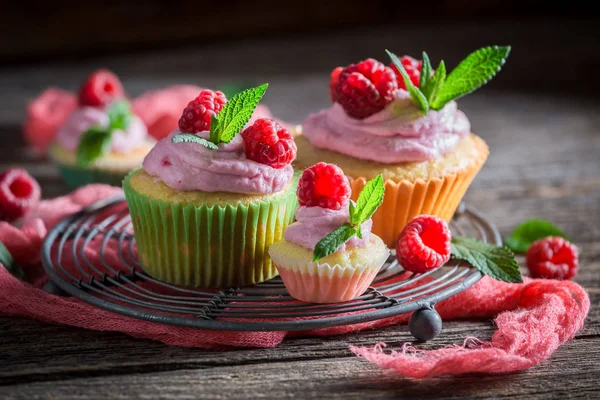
(198, 113)
(363, 89)
(424, 244)
(552, 258)
(413, 70)
(100, 88)
(323, 185)
(19, 191)
(269, 143)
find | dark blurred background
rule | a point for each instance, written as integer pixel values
(155, 43)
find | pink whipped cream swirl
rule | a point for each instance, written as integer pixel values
(398, 133)
(314, 223)
(83, 118)
(191, 166)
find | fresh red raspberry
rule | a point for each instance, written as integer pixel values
(100, 88)
(333, 82)
(196, 116)
(364, 88)
(269, 143)
(424, 244)
(19, 191)
(413, 69)
(323, 185)
(552, 258)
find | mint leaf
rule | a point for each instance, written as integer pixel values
(369, 199)
(119, 115)
(235, 114)
(530, 231)
(494, 261)
(191, 138)
(437, 82)
(471, 73)
(332, 242)
(425, 81)
(94, 142)
(9, 263)
(415, 94)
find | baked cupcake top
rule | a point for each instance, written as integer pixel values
(102, 122)
(327, 221)
(210, 152)
(400, 113)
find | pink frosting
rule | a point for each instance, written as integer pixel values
(191, 166)
(398, 133)
(314, 223)
(80, 120)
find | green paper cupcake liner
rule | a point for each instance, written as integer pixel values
(209, 246)
(76, 177)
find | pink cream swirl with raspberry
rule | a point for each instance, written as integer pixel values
(83, 118)
(398, 133)
(191, 166)
(314, 223)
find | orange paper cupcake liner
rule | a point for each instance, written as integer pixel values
(406, 199)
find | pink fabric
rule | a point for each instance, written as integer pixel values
(534, 319)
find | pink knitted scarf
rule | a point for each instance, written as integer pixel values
(533, 318)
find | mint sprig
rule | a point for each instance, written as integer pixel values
(119, 115)
(415, 94)
(191, 138)
(529, 231)
(497, 262)
(235, 114)
(436, 90)
(96, 140)
(368, 201)
(93, 143)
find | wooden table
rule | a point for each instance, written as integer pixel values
(545, 162)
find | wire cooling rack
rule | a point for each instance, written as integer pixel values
(112, 278)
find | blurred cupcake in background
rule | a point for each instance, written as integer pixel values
(213, 195)
(102, 139)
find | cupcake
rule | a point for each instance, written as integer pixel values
(102, 140)
(209, 201)
(402, 122)
(329, 254)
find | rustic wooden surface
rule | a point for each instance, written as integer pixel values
(545, 162)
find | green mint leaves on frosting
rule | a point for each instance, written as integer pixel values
(368, 201)
(235, 114)
(232, 118)
(436, 90)
(96, 140)
(529, 231)
(191, 138)
(497, 262)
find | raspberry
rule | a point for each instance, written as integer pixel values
(424, 244)
(364, 88)
(100, 88)
(333, 82)
(18, 193)
(552, 258)
(269, 143)
(323, 185)
(413, 69)
(196, 116)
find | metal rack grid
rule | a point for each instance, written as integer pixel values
(112, 278)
